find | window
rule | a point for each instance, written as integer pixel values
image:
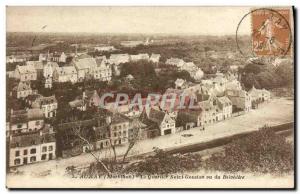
(37, 123)
(44, 157)
(44, 149)
(17, 161)
(19, 126)
(32, 151)
(115, 134)
(17, 153)
(124, 133)
(33, 142)
(25, 152)
(50, 148)
(32, 159)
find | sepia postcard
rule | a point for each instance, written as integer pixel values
(150, 97)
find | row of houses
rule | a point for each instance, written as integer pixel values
(194, 71)
(117, 127)
(81, 68)
(32, 140)
(18, 58)
(55, 57)
(125, 58)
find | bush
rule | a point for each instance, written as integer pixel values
(164, 163)
(262, 152)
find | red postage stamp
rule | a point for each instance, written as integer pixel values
(271, 32)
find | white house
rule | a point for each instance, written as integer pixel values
(85, 67)
(164, 121)
(103, 71)
(141, 56)
(25, 73)
(23, 90)
(63, 58)
(104, 48)
(47, 104)
(225, 106)
(48, 71)
(209, 113)
(175, 62)
(259, 95)
(198, 75)
(119, 58)
(26, 148)
(65, 74)
(154, 58)
(240, 99)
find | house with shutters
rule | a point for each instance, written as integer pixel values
(241, 100)
(59, 58)
(48, 71)
(119, 126)
(225, 106)
(65, 74)
(38, 66)
(30, 139)
(23, 89)
(102, 71)
(85, 67)
(259, 96)
(209, 112)
(47, 104)
(25, 73)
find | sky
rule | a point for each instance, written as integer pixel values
(169, 20)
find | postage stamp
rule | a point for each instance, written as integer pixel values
(271, 32)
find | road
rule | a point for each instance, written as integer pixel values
(275, 112)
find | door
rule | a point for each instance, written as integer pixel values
(50, 156)
(24, 160)
(167, 131)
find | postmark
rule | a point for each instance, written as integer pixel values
(271, 34)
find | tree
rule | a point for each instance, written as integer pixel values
(108, 164)
(134, 137)
(77, 130)
(263, 151)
